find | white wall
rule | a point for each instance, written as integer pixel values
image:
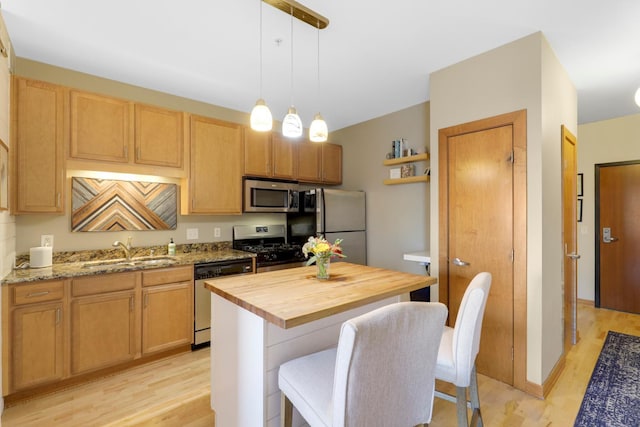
(615, 140)
(397, 215)
(523, 74)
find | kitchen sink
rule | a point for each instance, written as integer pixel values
(142, 261)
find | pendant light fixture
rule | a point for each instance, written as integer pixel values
(261, 118)
(318, 131)
(291, 124)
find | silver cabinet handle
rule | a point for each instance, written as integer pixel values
(37, 294)
(460, 263)
(573, 255)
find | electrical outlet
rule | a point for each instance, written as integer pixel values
(46, 240)
(216, 232)
(192, 233)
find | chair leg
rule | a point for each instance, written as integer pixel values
(461, 403)
(286, 410)
(476, 415)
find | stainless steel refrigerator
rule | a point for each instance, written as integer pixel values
(341, 214)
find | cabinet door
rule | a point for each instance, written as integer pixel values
(283, 153)
(36, 345)
(167, 316)
(257, 153)
(159, 136)
(101, 127)
(102, 331)
(39, 147)
(309, 162)
(331, 163)
(215, 176)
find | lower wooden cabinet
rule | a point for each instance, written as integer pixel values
(167, 315)
(36, 345)
(102, 331)
(63, 329)
(167, 309)
(34, 348)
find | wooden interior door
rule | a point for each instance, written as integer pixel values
(482, 210)
(570, 237)
(481, 237)
(617, 207)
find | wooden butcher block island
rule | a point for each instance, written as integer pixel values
(260, 321)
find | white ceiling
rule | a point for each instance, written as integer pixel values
(375, 56)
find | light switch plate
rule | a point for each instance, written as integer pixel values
(46, 240)
(192, 233)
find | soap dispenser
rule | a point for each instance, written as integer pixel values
(171, 248)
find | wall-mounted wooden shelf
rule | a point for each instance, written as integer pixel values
(408, 159)
(407, 180)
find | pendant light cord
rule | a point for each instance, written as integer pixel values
(260, 49)
(318, 89)
(291, 56)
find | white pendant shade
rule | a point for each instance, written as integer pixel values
(638, 97)
(318, 131)
(261, 118)
(291, 124)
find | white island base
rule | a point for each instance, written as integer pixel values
(246, 352)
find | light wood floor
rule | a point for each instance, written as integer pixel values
(175, 391)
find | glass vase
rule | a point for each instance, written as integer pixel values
(322, 264)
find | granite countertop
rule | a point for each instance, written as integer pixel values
(93, 262)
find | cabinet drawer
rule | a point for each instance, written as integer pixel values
(103, 283)
(167, 275)
(47, 291)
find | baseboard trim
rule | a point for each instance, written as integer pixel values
(542, 391)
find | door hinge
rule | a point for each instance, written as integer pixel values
(512, 354)
(512, 255)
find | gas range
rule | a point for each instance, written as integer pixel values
(269, 244)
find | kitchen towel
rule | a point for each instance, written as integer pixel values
(40, 256)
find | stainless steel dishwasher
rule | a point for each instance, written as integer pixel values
(202, 296)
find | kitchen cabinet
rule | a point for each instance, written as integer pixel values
(103, 321)
(309, 162)
(403, 160)
(159, 136)
(36, 343)
(167, 309)
(102, 127)
(38, 147)
(331, 163)
(319, 163)
(214, 185)
(268, 154)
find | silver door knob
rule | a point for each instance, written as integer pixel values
(573, 255)
(460, 263)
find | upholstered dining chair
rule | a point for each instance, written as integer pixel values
(381, 373)
(459, 347)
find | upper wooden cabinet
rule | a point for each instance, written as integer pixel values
(319, 163)
(331, 163)
(109, 129)
(38, 147)
(101, 127)
(159, 136)
(214, 185)
(309, 162)
(269, 155)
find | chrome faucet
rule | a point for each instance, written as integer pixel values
(126, 248)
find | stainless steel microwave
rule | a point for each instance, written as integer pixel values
(271, 196)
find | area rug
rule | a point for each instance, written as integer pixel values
(613, 395)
